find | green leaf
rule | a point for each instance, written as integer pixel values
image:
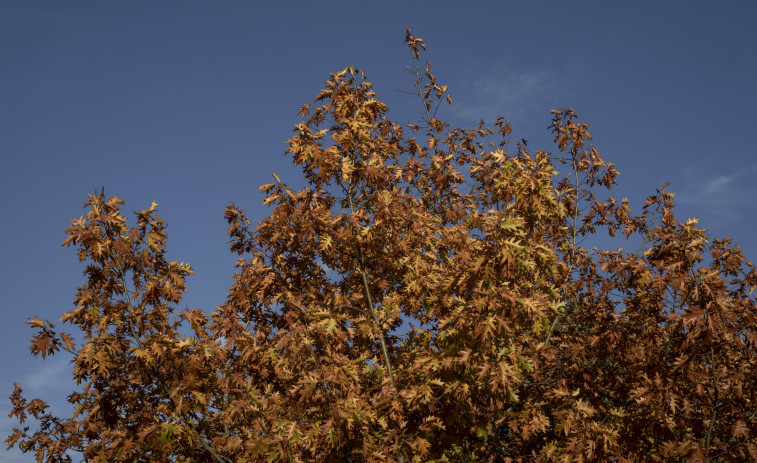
(166, 435)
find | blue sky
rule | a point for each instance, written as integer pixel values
(190, 104)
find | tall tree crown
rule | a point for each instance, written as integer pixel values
(424, 297)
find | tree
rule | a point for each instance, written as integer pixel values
(425, 297)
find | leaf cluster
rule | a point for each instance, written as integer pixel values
(427, 296)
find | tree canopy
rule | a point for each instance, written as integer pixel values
(424, 296)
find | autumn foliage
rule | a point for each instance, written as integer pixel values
(426, 296)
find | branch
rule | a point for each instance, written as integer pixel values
(714, 415)
(572, 255)
(376, 322)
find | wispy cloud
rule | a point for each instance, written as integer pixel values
(55, 373)
(718, 183)
(51, 382)
(523, 95)
(722, 183)
(725, 195)
(511, 94)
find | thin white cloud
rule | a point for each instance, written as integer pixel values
(724, 182)
(54, 373)
(514, 88)
(510, 94)
(725, 195)
(51, 382)
(718, 183)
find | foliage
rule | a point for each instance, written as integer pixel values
(425, 297)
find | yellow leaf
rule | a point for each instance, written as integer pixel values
(325, 243)
(347, 169)
(186, 342)
(35, 322)
(68, 340)
(267, 187)
(270, 199)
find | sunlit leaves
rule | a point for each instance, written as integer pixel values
(424, 297)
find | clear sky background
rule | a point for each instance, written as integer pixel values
(190, 104)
